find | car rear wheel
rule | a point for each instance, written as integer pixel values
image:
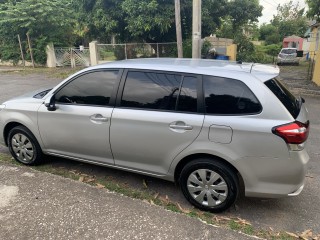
(23, 146)
(209, 184)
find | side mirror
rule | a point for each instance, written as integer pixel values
(50, 103)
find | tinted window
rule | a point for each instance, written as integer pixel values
(151, 90)
(188, 96)
(90, 89)
(286, 97)
(289, 51)
(229, 96)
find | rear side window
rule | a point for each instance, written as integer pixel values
(187, 101)
(285, 96)
(229, 97)
(160, 91)
(289, 51)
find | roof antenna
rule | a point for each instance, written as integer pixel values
(251, 67)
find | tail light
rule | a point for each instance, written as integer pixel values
(293, 133)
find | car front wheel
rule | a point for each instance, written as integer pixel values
(23, 146)
(209, 185)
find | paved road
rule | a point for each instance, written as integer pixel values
(60, 208)
(291, 214)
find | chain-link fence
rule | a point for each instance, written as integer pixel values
(111, 52)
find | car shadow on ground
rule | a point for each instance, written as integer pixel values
(153, 185)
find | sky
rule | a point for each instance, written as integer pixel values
(270, 8)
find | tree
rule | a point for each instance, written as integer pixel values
(146, 18)
(243, 12)
(45, 20)
(270, 34)
(142, 20)
(99, 19)
(314, 9)
(290, 20)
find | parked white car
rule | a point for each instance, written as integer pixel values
(288, 56)
(208, 125)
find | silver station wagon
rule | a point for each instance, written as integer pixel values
(210, 126)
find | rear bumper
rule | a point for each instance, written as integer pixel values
(296, 193)
(275, 177)
(284, 60)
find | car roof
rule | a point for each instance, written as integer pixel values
(228, 69)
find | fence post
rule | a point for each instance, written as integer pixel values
(125, 51)
(30, 49)
(93, 48)
(157, 50)
(21, 51)
(51, 56)
(72, 58)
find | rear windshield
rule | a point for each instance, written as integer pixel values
(289, 51)
(285, 96)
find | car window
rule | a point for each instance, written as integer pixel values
(187, 101)
(163, 91)
(288, 51)
(229, 96)
(151, 90)
(285, 96)
(93, 88)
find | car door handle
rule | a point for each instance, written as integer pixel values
(98, 118)
(180, 127)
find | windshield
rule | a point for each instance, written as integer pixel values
(292, 104)
(289, 51)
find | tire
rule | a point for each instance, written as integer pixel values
(224, 187)
(23, 146)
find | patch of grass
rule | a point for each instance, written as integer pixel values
(192, 214)
(248, 229)
(6, 158)
(234, 223)
(59, 73)
(172, 207)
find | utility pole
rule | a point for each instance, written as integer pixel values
(178, 28)
(196, 29)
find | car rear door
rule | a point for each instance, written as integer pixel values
(157, 116)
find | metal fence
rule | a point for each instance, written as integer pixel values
(72, 57)
(112, 52)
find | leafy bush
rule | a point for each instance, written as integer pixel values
(206, 46)
(9, 51)
(187, 48)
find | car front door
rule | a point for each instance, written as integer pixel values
(157, 116)
(79, 126)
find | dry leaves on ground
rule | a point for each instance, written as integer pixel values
(182, 209)
(99, 186)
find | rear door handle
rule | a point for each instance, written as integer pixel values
(180, 127)
(98, 118)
